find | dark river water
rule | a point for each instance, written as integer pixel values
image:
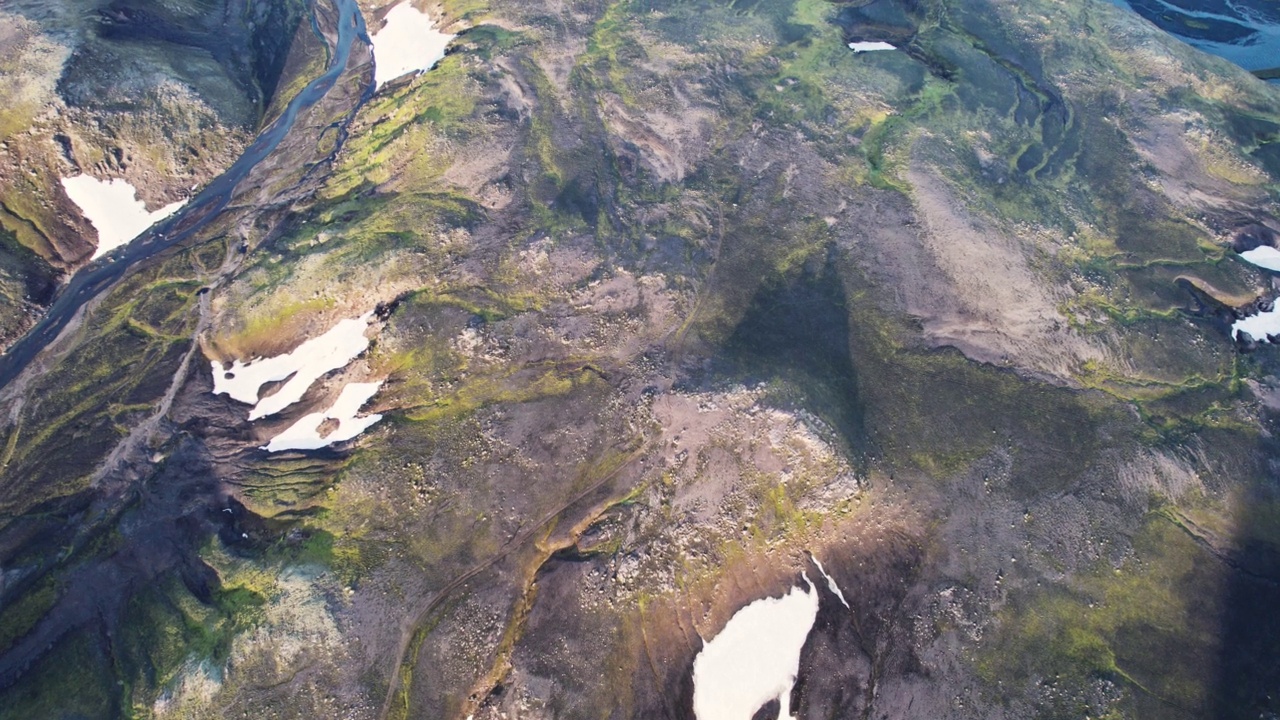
(93, 279)
(1246, 32)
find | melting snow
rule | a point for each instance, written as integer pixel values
(861, 47)
(408, 42)
(1264, 256)
(755, 658)
(305, 434)
(114, 210)
(1259, 326)
(831, 582)
(302, 367)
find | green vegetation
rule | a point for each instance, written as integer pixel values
(19, 618)
(1148, 624)
(407, 135)
(72, 680)
(577, 216)
(140, 332)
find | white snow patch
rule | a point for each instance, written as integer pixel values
(305, 434)
(861, 47)
(1264, 256)
(408, 42)
(755, 658)
(114, 210)
(1259, 326)
(302, 367)
(831, 582)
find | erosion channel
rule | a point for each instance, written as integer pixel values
(90, 282)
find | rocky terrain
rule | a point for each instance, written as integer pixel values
(163, 95)
(670, 301)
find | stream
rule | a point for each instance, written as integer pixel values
(92, 280)
(1246, 32)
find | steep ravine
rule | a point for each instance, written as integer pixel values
(164, 97)
(661, 302)
(156, 532)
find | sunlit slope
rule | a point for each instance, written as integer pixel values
(163, 96)
(665, 297)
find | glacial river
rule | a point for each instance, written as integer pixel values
(1246, 32)
(100, 275)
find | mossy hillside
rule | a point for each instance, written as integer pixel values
(1121, 245)
(446, 527)
(888, 397)
(447, 432)
(443, 395)
(354, 224)
(19, 617)
(73, 680)
(129, 346)
(275, 29)
(769, 250)
(937, 411)
(1118, 283)
(404, 133)
(757, 249)
(291, 489)
(117, 364)
(791, 67)
(410, 131)
(1151, 626)
(1163, 621)
(795, 336)
(779, 524)
(26, 281)
(287, 488)
(896, 406)
(435, 387)
(690, 581)
(618, 66)
(121, 363)
(324, 268)
(421, 352)
(1067, 83)
(751, 222)
(32, 222)
(467, 13)
(162, 630)
(363, 226)
(518, 566)
(166, 628)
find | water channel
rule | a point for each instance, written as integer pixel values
(92, 280)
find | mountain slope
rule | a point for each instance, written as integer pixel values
(668, 299)
(161, 95)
